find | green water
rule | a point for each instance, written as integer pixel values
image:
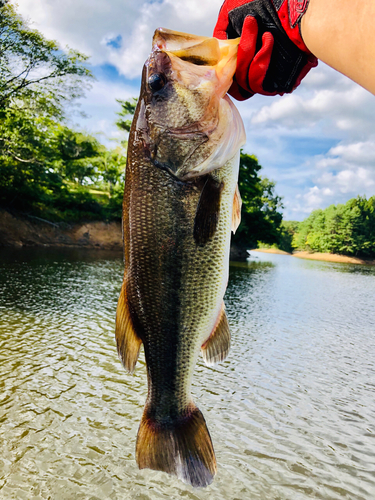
(291, 412)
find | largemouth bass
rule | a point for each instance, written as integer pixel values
(180, 204)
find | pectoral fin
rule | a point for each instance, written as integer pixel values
(128, 342)
(216, 347)
(236, 214)
(208, 209)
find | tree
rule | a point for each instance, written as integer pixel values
(37, 79)
(50, 170)
(260, 216)
(26, 153)
(287, 231)
(80, 155)
(113, 167)
(34, 70)
(127, 110)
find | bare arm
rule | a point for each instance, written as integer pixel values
(341, 33)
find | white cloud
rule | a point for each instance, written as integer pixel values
(82, 24)
(352, 181)
(88, 25)
(325, 163)
(346, 171)
(359, 152)
(350, 109)
(101, 107)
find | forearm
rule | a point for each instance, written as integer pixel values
(341, 33)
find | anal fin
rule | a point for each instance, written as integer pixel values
(216, 347)
(128, 342)
(236, 213)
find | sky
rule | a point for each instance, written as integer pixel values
(317, 144)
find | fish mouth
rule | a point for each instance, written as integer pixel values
(192, 60)
(211, 53)
(198, 50)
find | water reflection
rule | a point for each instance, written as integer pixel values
(291, 411)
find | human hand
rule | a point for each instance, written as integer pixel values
(272, 57)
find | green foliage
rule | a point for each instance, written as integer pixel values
(261, 244)
(287, 231)
(260, 216)
(127, 110)
(46, 168)
(49, 170)
(344, 229)
(79, 155)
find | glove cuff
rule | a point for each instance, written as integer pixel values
(290, 13)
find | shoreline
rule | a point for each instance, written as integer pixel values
(17, 232)
(23, 232)
(270, 250)
(325, 257)
(333, 257)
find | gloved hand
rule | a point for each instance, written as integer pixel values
(272, 57)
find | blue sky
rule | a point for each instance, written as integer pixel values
(317, 144)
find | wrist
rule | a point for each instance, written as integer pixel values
(290, 13)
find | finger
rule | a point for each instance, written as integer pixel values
(260, 65)
(246, 51)
(220, 30)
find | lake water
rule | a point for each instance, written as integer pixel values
(291, 412)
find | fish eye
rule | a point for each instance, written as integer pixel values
(156, 81)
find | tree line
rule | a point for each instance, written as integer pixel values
(347, 229)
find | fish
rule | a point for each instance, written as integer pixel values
(181, 202)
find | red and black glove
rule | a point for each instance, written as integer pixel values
(272, 57)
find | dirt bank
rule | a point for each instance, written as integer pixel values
(331, 257)
(270, 250)
(20, 231)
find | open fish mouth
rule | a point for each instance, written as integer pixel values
(218, 58)
(198, 50)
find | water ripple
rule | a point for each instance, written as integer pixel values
(291, 411)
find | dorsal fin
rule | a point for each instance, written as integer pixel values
(128, 342)
(216, 347)
(236, 213)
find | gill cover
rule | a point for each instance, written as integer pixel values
(193, 127)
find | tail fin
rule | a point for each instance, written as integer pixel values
(182, 447)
